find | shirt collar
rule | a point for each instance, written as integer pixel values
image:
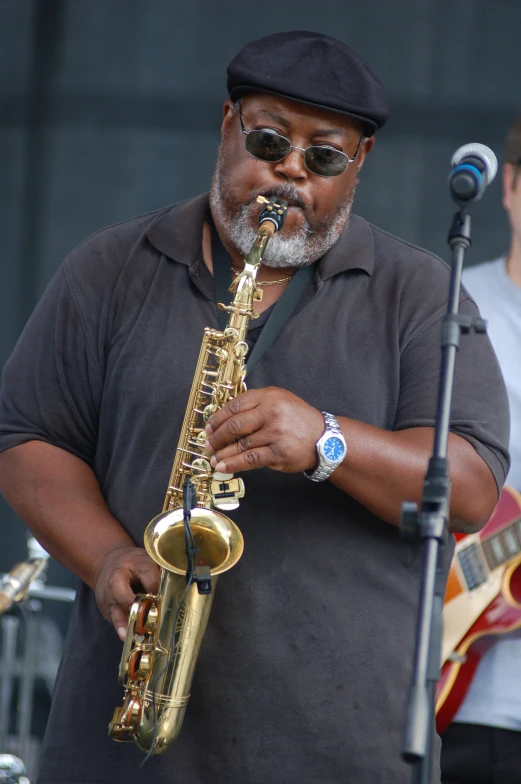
(177, 233)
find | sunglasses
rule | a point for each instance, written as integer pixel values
(267, 145)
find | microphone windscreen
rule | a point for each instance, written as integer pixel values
(484, 154)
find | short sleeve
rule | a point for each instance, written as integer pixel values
(52, 383)
(479, 410)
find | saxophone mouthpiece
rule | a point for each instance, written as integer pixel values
(273, 214)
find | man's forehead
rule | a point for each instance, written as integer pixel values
(289, 113)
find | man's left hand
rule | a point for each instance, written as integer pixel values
(264, 427)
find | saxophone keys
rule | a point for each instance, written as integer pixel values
(126, 718)
(230, 333)
(135, 708)
(226, 491)
(142, 622)
(146, 617)
(139, 665)
(241, 349)
(208, 410)
(201, 465)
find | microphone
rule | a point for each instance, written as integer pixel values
(15, 584)
(474, 167)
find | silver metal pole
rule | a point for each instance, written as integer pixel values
(10, 628)
(25, 697)
(39, 590)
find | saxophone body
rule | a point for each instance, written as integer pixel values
(166, 629)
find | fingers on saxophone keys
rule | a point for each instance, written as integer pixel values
(257, 457)
(237, 448)
(234, 429)
(245, 402)
(228, 432)
(118, 616)
(119, 620)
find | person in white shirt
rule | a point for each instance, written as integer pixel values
(483, 744)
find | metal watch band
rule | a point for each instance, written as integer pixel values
(321, 473)
(331, 422)
(323, 470)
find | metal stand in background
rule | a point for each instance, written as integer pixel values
(26, 668)
(474, 167)
(431, 525)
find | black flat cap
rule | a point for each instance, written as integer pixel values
(313, 68)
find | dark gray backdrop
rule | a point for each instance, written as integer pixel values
(110, 108)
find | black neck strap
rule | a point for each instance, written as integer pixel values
(284, 307)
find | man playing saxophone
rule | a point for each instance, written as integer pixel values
(304, 667)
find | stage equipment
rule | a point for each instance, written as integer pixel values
(15, 585)
(12, 770)
(24, 585)
(430, 523)
(474, 167)
(482, 600)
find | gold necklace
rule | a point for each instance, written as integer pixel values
(266, 282)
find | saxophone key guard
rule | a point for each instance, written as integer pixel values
(226, 491)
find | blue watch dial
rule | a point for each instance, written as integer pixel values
(334, 448)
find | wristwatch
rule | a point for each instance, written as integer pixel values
(331, 450)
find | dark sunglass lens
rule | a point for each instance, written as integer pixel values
(326, 161)
(267, 146)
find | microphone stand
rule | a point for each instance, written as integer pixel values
(430, 524)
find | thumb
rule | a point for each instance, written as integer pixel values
(119, 618)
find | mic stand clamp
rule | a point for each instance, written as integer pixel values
(200, 574)
(430, 524)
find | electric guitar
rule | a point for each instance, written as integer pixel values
(482, 600)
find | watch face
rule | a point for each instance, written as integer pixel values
(334, 448)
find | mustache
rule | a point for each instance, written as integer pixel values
(287, 192)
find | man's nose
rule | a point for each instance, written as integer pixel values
(292, 167)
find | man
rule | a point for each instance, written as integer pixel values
(484, 742)
(306, 662)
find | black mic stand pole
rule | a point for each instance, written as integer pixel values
(431, 525)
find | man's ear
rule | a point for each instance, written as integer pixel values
(365, 149)
(227, 115)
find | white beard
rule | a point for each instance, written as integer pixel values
(298, 249)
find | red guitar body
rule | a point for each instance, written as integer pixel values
(482, 600)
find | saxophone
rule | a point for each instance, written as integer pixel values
(166, 629)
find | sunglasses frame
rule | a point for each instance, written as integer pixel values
(302, 149)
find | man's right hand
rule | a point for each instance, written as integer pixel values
(122, 573)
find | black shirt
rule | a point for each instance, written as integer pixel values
(306, 663)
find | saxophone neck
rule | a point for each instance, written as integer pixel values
(264, 235)
(271, 220)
